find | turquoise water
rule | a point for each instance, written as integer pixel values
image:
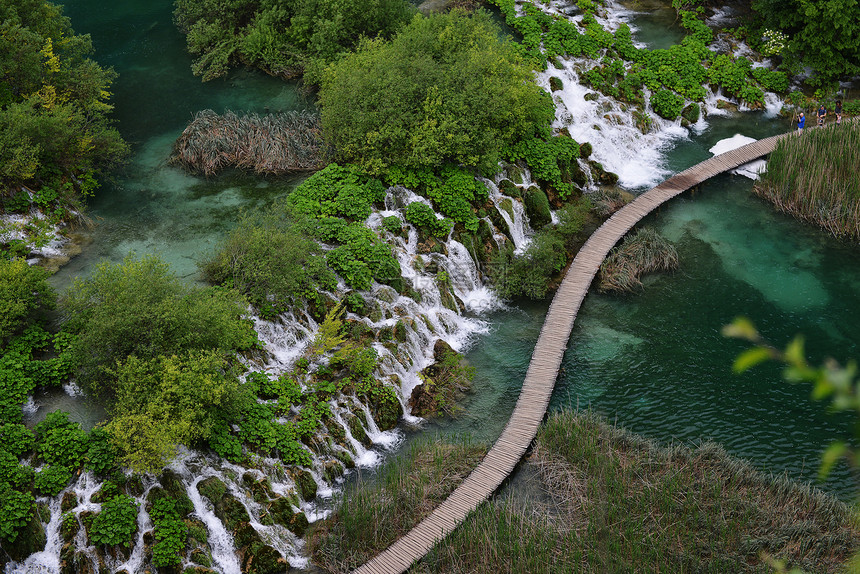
(655, 362)
(151, 206)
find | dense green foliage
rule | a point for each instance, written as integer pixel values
(26, 362)
(24, 292)
(158, 352)
(116, 523)
(822, 35)
(54, 128)
(169, 532)
(446, 89)
(283, 38)
(673, 76)
(169, 400)
(530, 274)
(270, 258)
(139, 307)
(17, 509)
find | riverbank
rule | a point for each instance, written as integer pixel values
(603, 499)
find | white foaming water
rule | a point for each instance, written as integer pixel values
(48, 560)
(220, 541)
(516, 220)
(751, 169)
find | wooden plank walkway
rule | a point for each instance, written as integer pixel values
(537, 389)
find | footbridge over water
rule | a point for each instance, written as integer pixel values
(540, 379)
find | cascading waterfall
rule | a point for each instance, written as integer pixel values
(620, 141)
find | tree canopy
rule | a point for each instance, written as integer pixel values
(447, 88)
(282, 38)
(822, 35)
(54, 104)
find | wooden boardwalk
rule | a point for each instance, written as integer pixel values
(546, 360)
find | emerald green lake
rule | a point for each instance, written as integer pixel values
(152, 206)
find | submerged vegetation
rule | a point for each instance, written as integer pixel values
(644, 251)
(814, 178)
(271, 143)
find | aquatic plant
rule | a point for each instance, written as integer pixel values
(644, 251)
(814, 178)
(267, 143)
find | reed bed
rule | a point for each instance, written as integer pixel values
(268, 144)
(373, 514)
(814, 178)
(644, 251)
(621, 503)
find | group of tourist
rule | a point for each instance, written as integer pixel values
(822, 113)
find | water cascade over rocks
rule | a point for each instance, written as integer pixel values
(261, 509)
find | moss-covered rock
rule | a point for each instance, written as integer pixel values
(70, 500)
(585, 150)
(692, 112)
(305, 483)
(537, 207)
(281, 511)
(508, 187)
(356, 430)
(555, 84)
(601, 175)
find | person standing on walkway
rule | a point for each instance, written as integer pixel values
(822, 113)
(838, 112)
(801, 121)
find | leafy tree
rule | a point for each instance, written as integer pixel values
(54, 126)
(282, 38)
(271, 260)
(24, 292)
(169, 400)
(822, 35)
(139, 307)
(446, 89)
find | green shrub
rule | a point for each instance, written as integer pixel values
(116, 523)
(16, 439)
(422, 215)
(529, 274)
(138, 307)
(270, 259)
(61, 441)
(169, 400)
(169, 532)
(101, 454)
(426, 98)
(337, 191)
(24, 293)
(13, 473)
(667, 104)
(51, 480)
(392, 224)
(17, 510)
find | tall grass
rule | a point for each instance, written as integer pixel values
(270, 143)
(621, 503)
(644, 251)
(371, 516)
(814, 178)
